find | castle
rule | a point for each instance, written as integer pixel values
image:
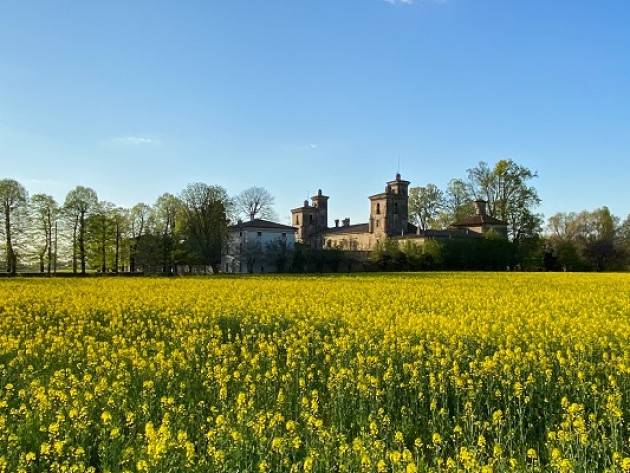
(389, 218)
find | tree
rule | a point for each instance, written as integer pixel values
(509, 196)
(78, 204)
(622, 241)
(278, 255)
(13, 198)
(599, 241)
(165, 212)
(120, 220)
(45, 212)
(255, 202)
(251, 252)
(586, 240)
(204, 222)
(425, 205)
(138, 224)
(457, 203)
(100, 235)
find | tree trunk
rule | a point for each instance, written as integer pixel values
(103, 256)
(132, 257)
(74, 244)
(55, 254)
(10, 256)
(49, 242)
(82, 241)
(117, 255)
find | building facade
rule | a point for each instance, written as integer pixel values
(257, 246)
(389, 218)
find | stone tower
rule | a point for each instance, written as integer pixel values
(311, 220)
(389, 212)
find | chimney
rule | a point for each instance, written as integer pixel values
(346, 222)
(480, 207)
(336, 222)
(306, 203)
(398, 178)
(319, 192)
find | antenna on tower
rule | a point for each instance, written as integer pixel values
(398, 166)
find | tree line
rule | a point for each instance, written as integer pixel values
(84, 233)
(586, 241)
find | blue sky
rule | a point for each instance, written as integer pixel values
(138, 98)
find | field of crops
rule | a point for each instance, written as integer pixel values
(382, 373)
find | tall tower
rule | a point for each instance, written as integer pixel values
(320, 202)
(311, 220)
(389, 211)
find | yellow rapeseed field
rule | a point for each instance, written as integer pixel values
(381, 373)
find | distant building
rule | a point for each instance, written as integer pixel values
(257, 246)
(480, 222)
(389, 218)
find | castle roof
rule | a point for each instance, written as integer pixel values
(263, 224)
(454, 232)
(356, 228)
(478, 220)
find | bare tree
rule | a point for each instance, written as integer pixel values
(78, 204)
(255, 202)
(13, 198)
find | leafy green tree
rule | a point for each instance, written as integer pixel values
(120, 223)
(622, 241)
(101, 236)
(457, 203)
(166, 210)
(425, 205)
(79, 204)
(44, 215)
(586, 240)
(510, 198)
(13, 200)
(138, 226)
(204, 222)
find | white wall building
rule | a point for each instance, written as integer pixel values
(257, 246)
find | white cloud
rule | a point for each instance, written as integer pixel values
(312, 146)
(134, 140)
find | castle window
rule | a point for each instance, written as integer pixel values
(310, 219)
(377, 222)
(378, 208)
(297, 219)
(395, 207)
(284, 234)
(259, 234)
